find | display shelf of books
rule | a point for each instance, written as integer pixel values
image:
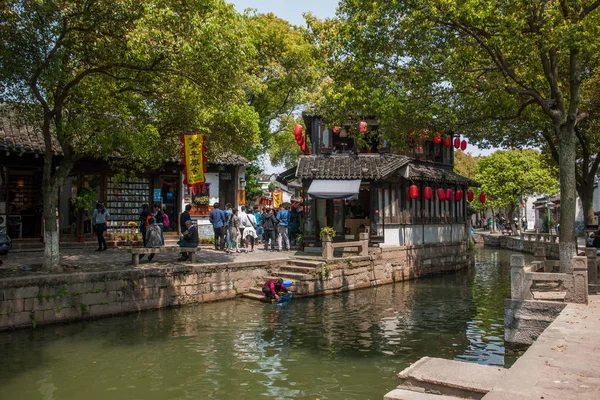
(124, 201)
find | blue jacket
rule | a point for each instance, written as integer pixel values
(283, 216)
(217, 218)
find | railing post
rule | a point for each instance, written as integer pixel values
(592, 265)
(518, 291)
(539, 254)
(364, 238)
(579, 289)
(327, 247)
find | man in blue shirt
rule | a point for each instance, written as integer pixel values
(228, 217)
(219, 223)
(283, 217)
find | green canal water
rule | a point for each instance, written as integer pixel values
(345, 346)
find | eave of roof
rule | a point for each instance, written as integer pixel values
(343, 166)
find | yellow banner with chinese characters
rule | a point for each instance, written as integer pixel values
(277, 199)
(193, 158)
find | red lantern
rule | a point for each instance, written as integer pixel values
(336, 130)
(482, 198)
(300, 141)
(427, 193)
(456, 142)
(298, 131)
(363, 126)
(470, 195)
(437, 138)
(448, 194)
(447, 141)
(303, 147)
(441, 194)
(459, 195)
(425, 134)
(463, 145)
(413, 191)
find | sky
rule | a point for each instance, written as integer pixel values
(292, 11)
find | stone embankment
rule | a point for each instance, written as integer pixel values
(45, 299)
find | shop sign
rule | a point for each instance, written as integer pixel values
(226, 176)
(157, 195)
(194, 160)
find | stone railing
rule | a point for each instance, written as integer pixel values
(573, 285)
(329, 246)
(539, 237)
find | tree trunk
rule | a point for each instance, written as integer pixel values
(568, 242)
(51, 234)
(586, 193)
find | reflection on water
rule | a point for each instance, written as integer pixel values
(346, 346)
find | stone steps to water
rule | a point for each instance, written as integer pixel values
(306, 262)
(297, 269)
(441, 377)
(403, 394)
(294, 276)
(549, 296)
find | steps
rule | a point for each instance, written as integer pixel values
(440, 379)
(298, 271)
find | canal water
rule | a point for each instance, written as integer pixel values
(345, 346)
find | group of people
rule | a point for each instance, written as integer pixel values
(245, 228)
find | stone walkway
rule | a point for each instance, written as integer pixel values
(28, 263)
(563, 364)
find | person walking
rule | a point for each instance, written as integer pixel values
(100, 217)
(243, 222)
(158, 217)
(185, 216)
(250, 231)
(234, 231)
(153, 238)
(218, 221)
(269, 224)
(228, 214)
(143, 221)
(283, 218)
(259, 229)
(189, 240)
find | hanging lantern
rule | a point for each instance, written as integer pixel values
(459, 195)
(336, 130)
(482, 198)
(441, 194)
(447, 141)
(427, 193)
(413, 191)
(298, 131)
(463, 145)
(303, 147)
(470, 195)
(437, 138)
(300, 141)
(456, 142)
(363, 126)
(449, 194)
(425, 134)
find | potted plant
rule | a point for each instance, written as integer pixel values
(327, 234)
(200, 205)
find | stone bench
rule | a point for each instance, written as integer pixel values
(136, 251)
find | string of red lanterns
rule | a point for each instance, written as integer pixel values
(444, 194)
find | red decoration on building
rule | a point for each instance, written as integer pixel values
(441, 194)
(304, 148)
(463, 145)
(363, 126)
(413, 191)
(437, 138)
(459, 195)
(470, 195)
(427, 193)
(447, 141)
(456, 142)
(482, 198)
(336, 130)
(425, 134)
(298, 131)
(449, 194)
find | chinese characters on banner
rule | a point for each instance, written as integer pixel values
(194, 158)
(277, 199)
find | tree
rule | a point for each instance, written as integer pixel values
(121, 80)
(286, 72)
(465, 164)
(508, 176)
(469, 65)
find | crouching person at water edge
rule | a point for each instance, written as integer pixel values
(273, 287)
(153, 238)
(100, 217)
(189, 240)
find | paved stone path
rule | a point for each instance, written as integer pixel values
(563, 364)
(27, 263)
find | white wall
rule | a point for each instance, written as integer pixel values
(404, 235)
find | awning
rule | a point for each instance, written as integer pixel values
(334, 189)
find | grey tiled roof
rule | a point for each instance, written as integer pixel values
(362, 166)
(18, 137)
(226, 158)
(437, 174)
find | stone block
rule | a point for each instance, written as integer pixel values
(105, 309)
(11, 306)
(20, 293)
(28, 304)
(40, 304)
(15, 320)
(116, 285)
(222, 286)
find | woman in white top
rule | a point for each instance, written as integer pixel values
(250, 230)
